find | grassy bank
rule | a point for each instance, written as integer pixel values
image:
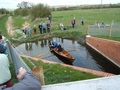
(18, 21)
(3, 29)
(56, 73)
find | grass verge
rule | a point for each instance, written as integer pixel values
(56, 73)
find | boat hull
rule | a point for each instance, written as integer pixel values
(64, 54)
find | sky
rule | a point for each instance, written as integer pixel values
(12, 4)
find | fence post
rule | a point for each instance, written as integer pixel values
(88, 30)
(110, 30)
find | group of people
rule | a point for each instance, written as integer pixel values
(27, 80)
(43, 27)
(101, 25)
(55, 44)
(73, 22)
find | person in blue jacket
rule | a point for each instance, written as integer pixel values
(3, 45)
(3, 48)
(54, 43)
(27, 81)
(82, 21)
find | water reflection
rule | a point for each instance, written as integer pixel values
(73, 41)
(45, 42)
(36, 42)
(42, 44)
(28, 46)
(83, 57)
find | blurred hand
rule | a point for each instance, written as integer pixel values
(5, 44)
(21, 72)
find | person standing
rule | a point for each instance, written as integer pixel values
(40, 28)
(48, 27)
(50, 18)
(82, 21)
(44, 27)
(73, 23)
(34, 28)
(28, 31)
(74, 20)
(5, 75)
(24, 34)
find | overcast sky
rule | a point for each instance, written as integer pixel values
(12, 4)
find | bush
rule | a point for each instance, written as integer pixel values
(40, 11)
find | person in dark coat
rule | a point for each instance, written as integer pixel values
(59, 47)
(40, 28)
(48, 27)
(3, 46)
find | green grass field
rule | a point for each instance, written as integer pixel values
(90, 16)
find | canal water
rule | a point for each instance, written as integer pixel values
(84, 56)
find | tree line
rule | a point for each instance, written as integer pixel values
(40, 10)
(36, 11)
(3, 11)
(79, 7)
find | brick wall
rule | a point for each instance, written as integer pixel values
(108, 48)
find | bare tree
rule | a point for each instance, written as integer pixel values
(24, 4)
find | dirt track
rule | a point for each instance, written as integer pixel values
(9, 26)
